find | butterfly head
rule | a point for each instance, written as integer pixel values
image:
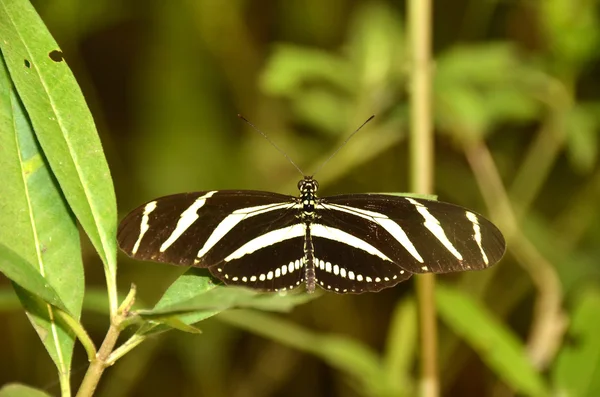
(308, 185)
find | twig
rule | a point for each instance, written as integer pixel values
(549, 321)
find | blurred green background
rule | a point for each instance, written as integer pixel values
(517, 116)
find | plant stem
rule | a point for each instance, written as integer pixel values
(65, 384)
(100, 362)
(79, 331)
(125, 348)
(421, 155)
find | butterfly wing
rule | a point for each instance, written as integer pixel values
(202, 228)
(417, 235)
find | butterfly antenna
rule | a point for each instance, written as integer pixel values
(271, 142)
(342, 145)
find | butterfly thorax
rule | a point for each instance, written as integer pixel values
(308, 198)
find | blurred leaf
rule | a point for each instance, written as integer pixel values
(582, 125)
(572, 266)
(290, 68)
(18, 390)
(572, 30)
(474, 92)
(322, 108)
(340, 352)
(377, 47)
(62, 123)
(8, 300)
(332, 92)
(75, 20)
(36, 223)
(401, 346)
(497, 346)
(577, 368)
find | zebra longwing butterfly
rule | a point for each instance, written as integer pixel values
(347, 244)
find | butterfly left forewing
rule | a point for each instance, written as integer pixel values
(201, 228)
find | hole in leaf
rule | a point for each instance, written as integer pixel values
(56, 56)
(27, 64)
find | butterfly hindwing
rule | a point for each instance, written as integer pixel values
(349, 269)
(273, 267)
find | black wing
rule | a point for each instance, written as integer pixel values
(203, 228)
(417, 235)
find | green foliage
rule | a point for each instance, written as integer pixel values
(496, 345)
(474, 92)
(521, 88)
(38, 235)
(17, 390)
(63, 124)
(577, 368)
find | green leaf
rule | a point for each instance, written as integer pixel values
(497, 346)
(18, 390)
(37, 225)
(221, 298)
(342, 353)
(193, 298)
(323, 108)
(18, 270)
(290, 67)
(580, 20)
(401, 346)
(473, 92)
(577, 368)
(176, 323)
(63, 126)
(376, 45)
(581, 127)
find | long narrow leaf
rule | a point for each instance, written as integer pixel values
(365, 368)
(63, 126)
(577, 369)
(497, 346)
(37, 225)
(23, 274)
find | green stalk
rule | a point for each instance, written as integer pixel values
(421, 178)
